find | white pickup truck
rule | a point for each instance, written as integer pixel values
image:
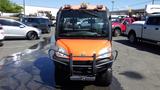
(148, 31)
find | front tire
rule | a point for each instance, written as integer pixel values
(48, 30)
(1, 44)
(117, 32)
(32, 35)
(61, 74)
(104, 78)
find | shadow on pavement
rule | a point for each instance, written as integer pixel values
(46, 67)
(132, 75)
(79, 85)
(17, 39)
(142, 46)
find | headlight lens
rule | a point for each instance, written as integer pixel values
(40, 31)
(112, 26)
(104, 53)
(60, 52)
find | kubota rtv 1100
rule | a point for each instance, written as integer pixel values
(82, 50)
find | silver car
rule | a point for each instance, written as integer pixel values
(16, 29)
(1, 35)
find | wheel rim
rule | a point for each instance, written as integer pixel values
(32, 36)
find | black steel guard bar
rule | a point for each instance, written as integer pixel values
(94, 66)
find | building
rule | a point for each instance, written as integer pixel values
(149, 9)
(126, 12)
(39, 11)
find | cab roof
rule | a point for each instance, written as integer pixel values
(84, 7)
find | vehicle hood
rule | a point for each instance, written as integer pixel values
(139, 22)
(30, 27)
(114, 24)
(83, 47)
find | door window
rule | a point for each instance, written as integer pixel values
(5, 22)
(15, 24)
(153, 21)
(44, 21)
(33, 20)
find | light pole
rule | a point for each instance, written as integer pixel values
(113, 4)
(24, 7)
(152, 1)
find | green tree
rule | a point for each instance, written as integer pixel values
(9, 7)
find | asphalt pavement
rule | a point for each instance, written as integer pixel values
(25, 65)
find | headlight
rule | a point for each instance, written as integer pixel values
(61, 52)
(40, 31)
(112, 26)
(104, 53)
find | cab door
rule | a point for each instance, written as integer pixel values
(151, 30)
(124, 24)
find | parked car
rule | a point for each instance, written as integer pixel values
(39, 22)
(1, 35)
(119, 26)
(148, 31)
(90, 23)
(16, 29)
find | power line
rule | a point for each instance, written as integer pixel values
(152, 1)
(113, 4)
(24, 6)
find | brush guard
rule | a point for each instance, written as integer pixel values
(93, 66)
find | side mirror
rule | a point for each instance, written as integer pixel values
(125, 23)
(21, 26)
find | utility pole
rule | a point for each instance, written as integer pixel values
(24, 7)
(152, 1)
(113, 4)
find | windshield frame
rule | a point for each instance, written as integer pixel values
(59, 16)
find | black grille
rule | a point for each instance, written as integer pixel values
(82, 62)
(82, 67)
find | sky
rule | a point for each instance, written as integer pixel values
(118, 4)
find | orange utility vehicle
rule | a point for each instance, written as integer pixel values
(82, 50)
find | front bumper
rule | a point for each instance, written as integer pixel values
(45, 30)
(1, 36)
(1, 39)
(39, 34)
(99, 65)
(83, 70)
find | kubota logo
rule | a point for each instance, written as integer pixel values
(83, 54)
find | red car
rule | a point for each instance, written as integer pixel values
(119, 26)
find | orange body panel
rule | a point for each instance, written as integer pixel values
(83, 47)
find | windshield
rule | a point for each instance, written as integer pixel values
(77, 23)
(35, 20)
